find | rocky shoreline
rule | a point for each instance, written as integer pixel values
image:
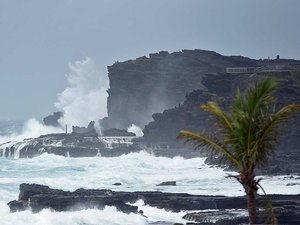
(70, 145)
(218, 209)
(189, 78)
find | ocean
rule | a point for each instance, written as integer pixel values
(136, 171)
(8, 127)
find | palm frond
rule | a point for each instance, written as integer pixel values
(260, 96)
(257, 106)
(202, 140)
(223, 119)
(267, 134)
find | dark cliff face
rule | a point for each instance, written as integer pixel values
(141, 87)
(222, 88)
(162, 93)
(52, 120)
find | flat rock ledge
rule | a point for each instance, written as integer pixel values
(219, 209)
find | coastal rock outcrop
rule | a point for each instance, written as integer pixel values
(114, 132)
(147, 85)
(89, 130)
(218, 208)
(71, 145)
(162, 93)
(222, 88)
(52, 120)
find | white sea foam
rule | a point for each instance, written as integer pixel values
(107, 216)
(136, 172)
(155, 214)
(136, 130)
(84, 99)
(32, 128)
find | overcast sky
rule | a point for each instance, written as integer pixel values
(38, 38)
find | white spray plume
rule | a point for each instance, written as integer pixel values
(136, 130)
(98, 127)
(31, 129)
(85, 97)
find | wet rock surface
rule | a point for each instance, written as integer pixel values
(167, 183)
(221, 88)
(52, 120)
(70, 145)
(221, 209)
(147, 85)
(114, 132)
(177, 83)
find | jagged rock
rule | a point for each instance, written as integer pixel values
(19, 205)
(52, 120)
(38, 197)
(147, 85)
(141, 87)
(89, 130)
(153, 89)
(167, 183)
(222, 88)
(114, 132)
(292, 184)
(221, 217)
(287, 214)
(70, 145)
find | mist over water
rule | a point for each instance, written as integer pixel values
(10, 126)
(136, 172)
(31, 128)
(136, 130)
(84, 99)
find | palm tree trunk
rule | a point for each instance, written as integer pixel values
(250, 186)
(251, 205)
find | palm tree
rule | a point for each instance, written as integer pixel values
(246, 135)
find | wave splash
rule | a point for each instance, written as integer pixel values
(32, 128)
(135, 171)
(85, 97)
(83, 100)
(107, 216)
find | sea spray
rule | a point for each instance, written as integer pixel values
(136, 130)
(85, 97)
(107, 216)
(135, 171)
(32, 128)
(98, 127)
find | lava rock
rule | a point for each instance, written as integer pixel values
(114, 132)
(52, 120)
(167, 183)
(38, 197)
(71, 145)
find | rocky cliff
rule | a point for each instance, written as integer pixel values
(222, 88)
(52, 120)
(167, 89)
(147, 85)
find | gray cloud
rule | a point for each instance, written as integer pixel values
(39, 38)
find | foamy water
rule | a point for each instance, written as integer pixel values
(136, 171)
